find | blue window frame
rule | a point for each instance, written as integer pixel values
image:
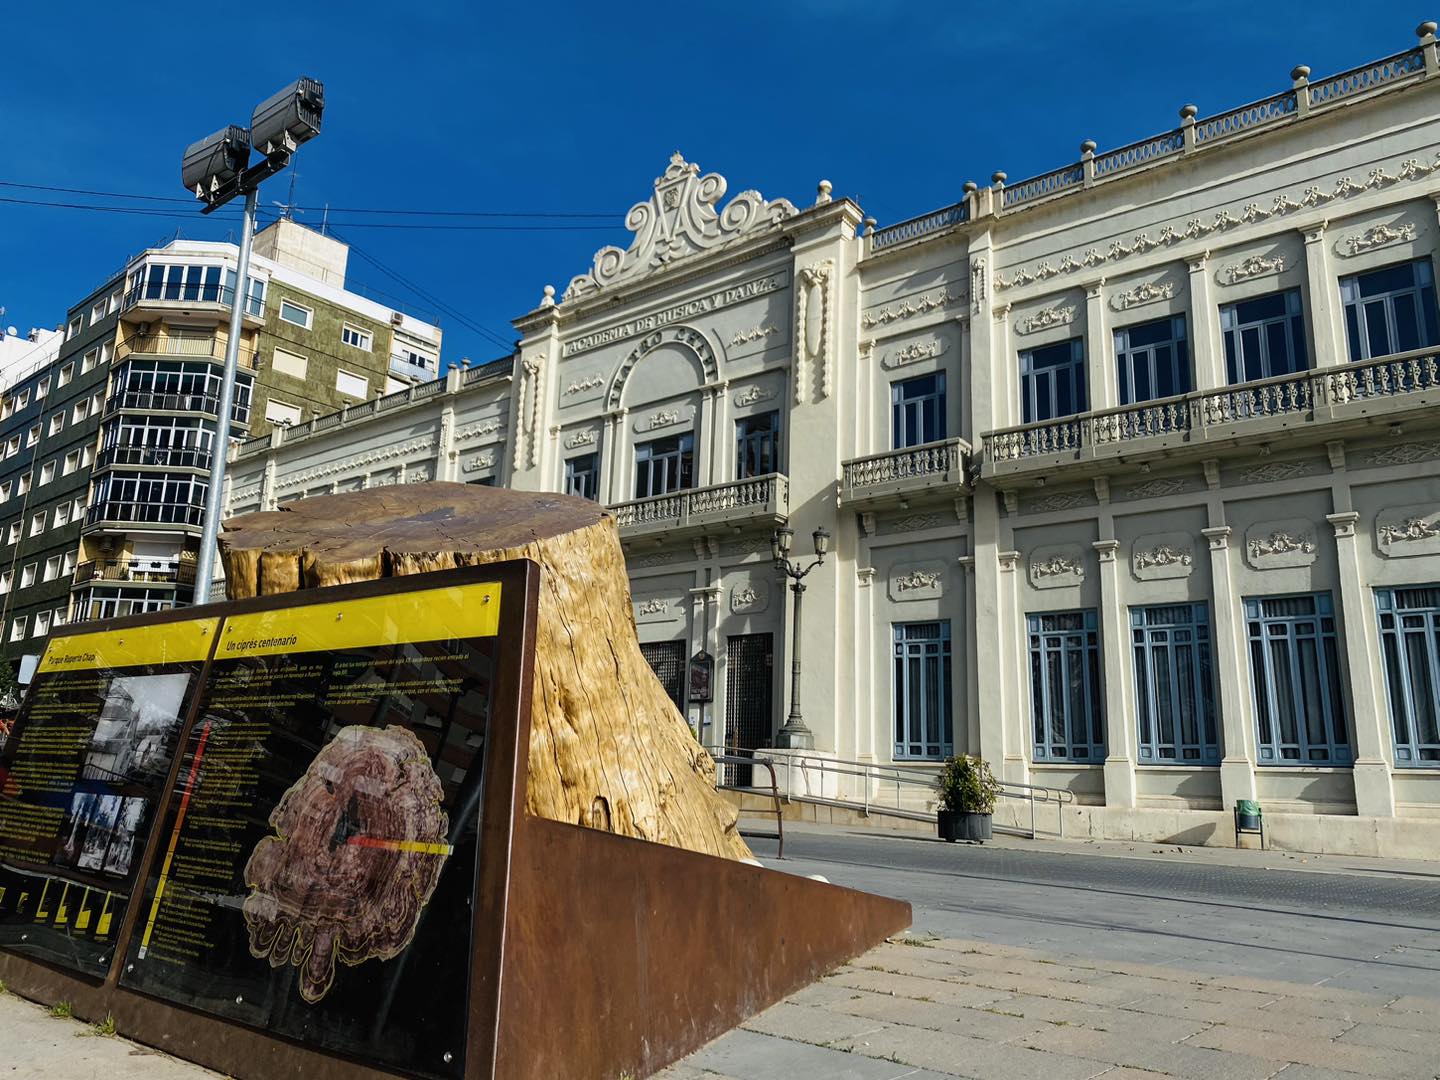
(757, 449)
(582, 476)
(917, 409)
(1052, 381)
(1152, 360)
(1174, 685)
(1066, 706)
(1410, 643)
(1390, 310)
(1264, 337)
(922, 690)
(1295, 675)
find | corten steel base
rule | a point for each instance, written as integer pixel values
(594, 955)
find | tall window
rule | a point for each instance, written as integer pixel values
(665, 465)
(757, 445)
(1390, 310)
(1174, 686)
(1152, 360)
(1052, 381)
(922, 690)
(1295, 674)
(582, 476)
(918, 410)
(1264, 337)
(1066, 707)
(1410, 642)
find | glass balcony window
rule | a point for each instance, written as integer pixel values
(1052, 381)
(1264, 337)
(1390, 310)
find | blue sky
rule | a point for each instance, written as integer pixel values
(575, 108)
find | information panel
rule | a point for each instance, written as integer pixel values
(80, 780)
(316, 866)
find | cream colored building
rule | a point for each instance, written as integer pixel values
(1132, 469)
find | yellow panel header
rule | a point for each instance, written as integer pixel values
(162, 643)
(460, 611)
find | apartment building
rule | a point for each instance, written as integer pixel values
(1131, 469)
(107, 447)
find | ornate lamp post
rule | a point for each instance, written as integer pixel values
(794, 735)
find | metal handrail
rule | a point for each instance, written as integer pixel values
(722, 758)
(899, 775)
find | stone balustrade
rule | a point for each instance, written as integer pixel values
(759, 500)
(941, 467)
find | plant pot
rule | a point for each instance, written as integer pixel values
(962, 825)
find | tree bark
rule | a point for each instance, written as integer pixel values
(608, 748)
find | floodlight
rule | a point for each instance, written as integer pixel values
(213, 162)
(287, 119)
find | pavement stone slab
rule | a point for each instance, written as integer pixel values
(1411, 1040)
(1099, 1017)
(805, 1023)
(951, 993)
(753, 1056)
(1365, 1060)
(1136, 1051)
(992, 1023)
(961, 1055)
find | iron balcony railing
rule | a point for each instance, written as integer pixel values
(762, 498)
(1346, 392)
(147, 513)
(170, 457)
(139, 571)
(906, 471)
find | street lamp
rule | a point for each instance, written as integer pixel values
(217, 169)
(794, 735)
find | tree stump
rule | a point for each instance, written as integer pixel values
(608, 748)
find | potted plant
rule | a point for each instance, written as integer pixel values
(968, 790)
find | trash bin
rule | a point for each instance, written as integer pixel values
(1247, 815)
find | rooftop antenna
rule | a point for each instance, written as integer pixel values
(287, 208)
(325, 219)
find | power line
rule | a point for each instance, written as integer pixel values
(333, 209)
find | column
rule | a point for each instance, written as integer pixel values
(1114, 638)
(1015, 729)
(721, 468)
(704, 465)
(614, 451)
(1322, 300)
(988, 655)
(1374, 791)
(1237, 762)
(1101, 389)
(1206, 354)
(972, 681)
(867, 744)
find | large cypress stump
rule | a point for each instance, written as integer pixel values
(608, 748)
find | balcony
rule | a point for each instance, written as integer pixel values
(402, 367)
(1312, 406)
(135, 571)
(192, 300)
(160, 457)
(187, 346)
(763, 501)
(145, 514)
(932, 470)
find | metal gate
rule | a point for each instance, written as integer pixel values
(667, 660)
(749, 722)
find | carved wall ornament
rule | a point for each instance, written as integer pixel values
(527, 440)
(749, 545)
(916, 581)
(1163, 555)
(753, 395)
(480, 461)
(1252, 267)
(658, 558)
(579, 386)
(1275, 470)
(1408, 530)
(1378, 236)
(1056, 567)
(1222, 221)
(977, 284)
(678, 220)
(907, 308)
(653, 607)
(358, 462)
(685, 336)
(1147, 292)
(1404, 454)
(661, 418)
(916, 350)
(916, 522)
(756, 333)
(813, 286)
(478, 431)
(1061, 500)
(1059, 315)
(1151, 489)
(587, 437)
(751, 598)
(1273, 544)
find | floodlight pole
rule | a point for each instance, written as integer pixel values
(215, 497)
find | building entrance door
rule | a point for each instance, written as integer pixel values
(749, 721)
(667, 660)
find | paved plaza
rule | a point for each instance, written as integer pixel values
(1049, 961)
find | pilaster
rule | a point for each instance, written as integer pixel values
(1013, 726)
(1101, 389)
(705, 470)
(1119, 726)
(1206, 355)
(1322, 299)
(1237, 762)
(1374, 789)
(613, 455)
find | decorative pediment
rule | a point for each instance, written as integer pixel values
(679, 220)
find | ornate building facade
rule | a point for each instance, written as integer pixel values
(1132, 468)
